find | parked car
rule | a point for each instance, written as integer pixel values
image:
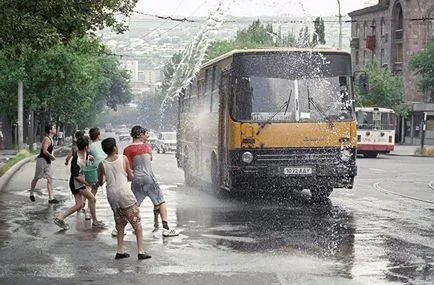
(153, 140)
(166, 142)
(124, 137)
(108, 128)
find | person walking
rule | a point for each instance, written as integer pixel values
(79, 187)
(116, 171)
(73, 149)
(99, 155)
(43, 165)
(144, 184)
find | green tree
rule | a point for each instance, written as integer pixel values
(256, 35)
(36, 25)
(150, 113)
(167, 114)
(30, 27)
(73, 82)
(285, 39)
(304, 38)
(218, 48)
(423, 64)
(385, 90)
(318, 33)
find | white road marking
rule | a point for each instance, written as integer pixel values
(381, 189)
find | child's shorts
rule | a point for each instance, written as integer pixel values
(127, 215)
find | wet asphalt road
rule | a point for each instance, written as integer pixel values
(368, 235)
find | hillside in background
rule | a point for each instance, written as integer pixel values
(153, 41)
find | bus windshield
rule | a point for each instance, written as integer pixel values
(280, 99)
(368, 120)
(310, 92)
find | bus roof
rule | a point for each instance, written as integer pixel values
(372, 109)
(271, 50)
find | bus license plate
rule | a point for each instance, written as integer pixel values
(297, 170)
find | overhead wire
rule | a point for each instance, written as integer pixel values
(168, 18)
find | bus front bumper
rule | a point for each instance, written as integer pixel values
(297, 176)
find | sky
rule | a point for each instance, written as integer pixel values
(252, 8)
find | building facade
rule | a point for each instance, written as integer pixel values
(389, 33)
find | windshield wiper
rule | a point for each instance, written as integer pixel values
(319, 109)
(268, 121)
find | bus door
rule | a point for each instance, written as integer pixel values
(376, 117)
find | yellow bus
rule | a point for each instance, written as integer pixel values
(270, 119)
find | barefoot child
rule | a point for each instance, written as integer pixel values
(116, 171)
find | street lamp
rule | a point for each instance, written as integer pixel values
(340, 24)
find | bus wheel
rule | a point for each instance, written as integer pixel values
(215, 178)
(371, 154)
(320, 193)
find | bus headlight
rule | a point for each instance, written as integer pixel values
(247, 157)
(345, 155)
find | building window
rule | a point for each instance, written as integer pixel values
(397, 25)
(365, 30)
(383, 27)
(357, 62)
(364, 57)
(430, 30)
(373, 26)
(399, 53)
(356, 31)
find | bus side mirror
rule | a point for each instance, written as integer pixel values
(363, 83)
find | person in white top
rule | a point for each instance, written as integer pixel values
(116, 171)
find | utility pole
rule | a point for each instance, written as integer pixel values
(20, 115)
(422, 132)
(340, 24)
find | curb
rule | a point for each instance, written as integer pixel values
(5, 178)
(408, 155)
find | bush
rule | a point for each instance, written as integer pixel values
(425, 151)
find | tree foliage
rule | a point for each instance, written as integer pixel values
(73, 82)
(304, 38)
(423, 64)
(36, 25)
(256, 35)
(318, 36)
(385, 90)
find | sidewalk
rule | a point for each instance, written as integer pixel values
(8, 154)
(407, 150)
(404, 150)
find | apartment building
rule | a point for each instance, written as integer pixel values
(389, 33)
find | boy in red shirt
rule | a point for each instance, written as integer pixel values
(144, 184)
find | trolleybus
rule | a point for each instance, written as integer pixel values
(375, 131)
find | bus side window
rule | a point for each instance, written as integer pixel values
(207, 90)
(215, 94)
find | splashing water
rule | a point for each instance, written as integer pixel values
(194, 53)
(192, 57)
